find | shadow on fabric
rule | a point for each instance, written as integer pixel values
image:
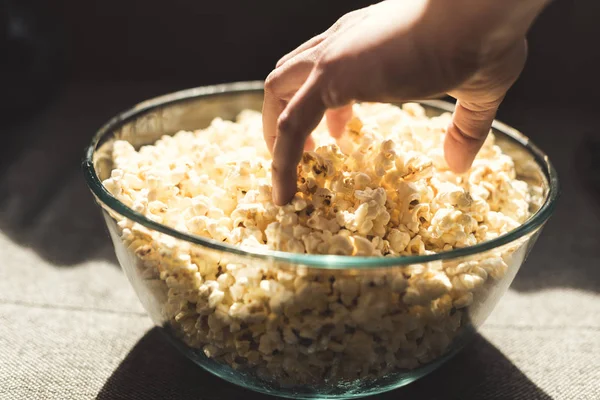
(155, 370)
(44, 202)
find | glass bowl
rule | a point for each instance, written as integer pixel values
(349, 326)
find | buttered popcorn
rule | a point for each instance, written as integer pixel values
(382, 190)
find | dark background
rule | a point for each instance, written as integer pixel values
(200, 42)
(186, 43)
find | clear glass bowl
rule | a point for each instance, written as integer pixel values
(351, 328)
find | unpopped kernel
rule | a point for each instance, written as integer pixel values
(382, 190)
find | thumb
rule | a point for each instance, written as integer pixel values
(470, 126)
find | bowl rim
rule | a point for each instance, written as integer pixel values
(310, 260)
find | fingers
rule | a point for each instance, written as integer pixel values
(337, 118)
(296, 122)
(344, 22)
(470, 126)
(280, 86)
(273, 106)
(477, 106)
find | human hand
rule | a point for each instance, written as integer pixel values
(398, 50)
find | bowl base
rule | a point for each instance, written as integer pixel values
(349, 390)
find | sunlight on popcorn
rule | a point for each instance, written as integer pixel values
(382, 190)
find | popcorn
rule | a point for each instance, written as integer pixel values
(398, 240)
(383, 189)
(341, 245)
(362, 246)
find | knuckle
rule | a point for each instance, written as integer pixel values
(272, 82)
(348, 16)
(280, 62)
(341, 21)
(338, 24)
(285, 124)
(328, 63)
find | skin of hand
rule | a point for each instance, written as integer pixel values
(394, 51)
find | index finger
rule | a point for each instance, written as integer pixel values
(301, 116)
(281, 84)
(273, 106)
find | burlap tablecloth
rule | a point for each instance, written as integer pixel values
(72, 328)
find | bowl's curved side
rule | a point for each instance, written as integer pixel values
(354, 390)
